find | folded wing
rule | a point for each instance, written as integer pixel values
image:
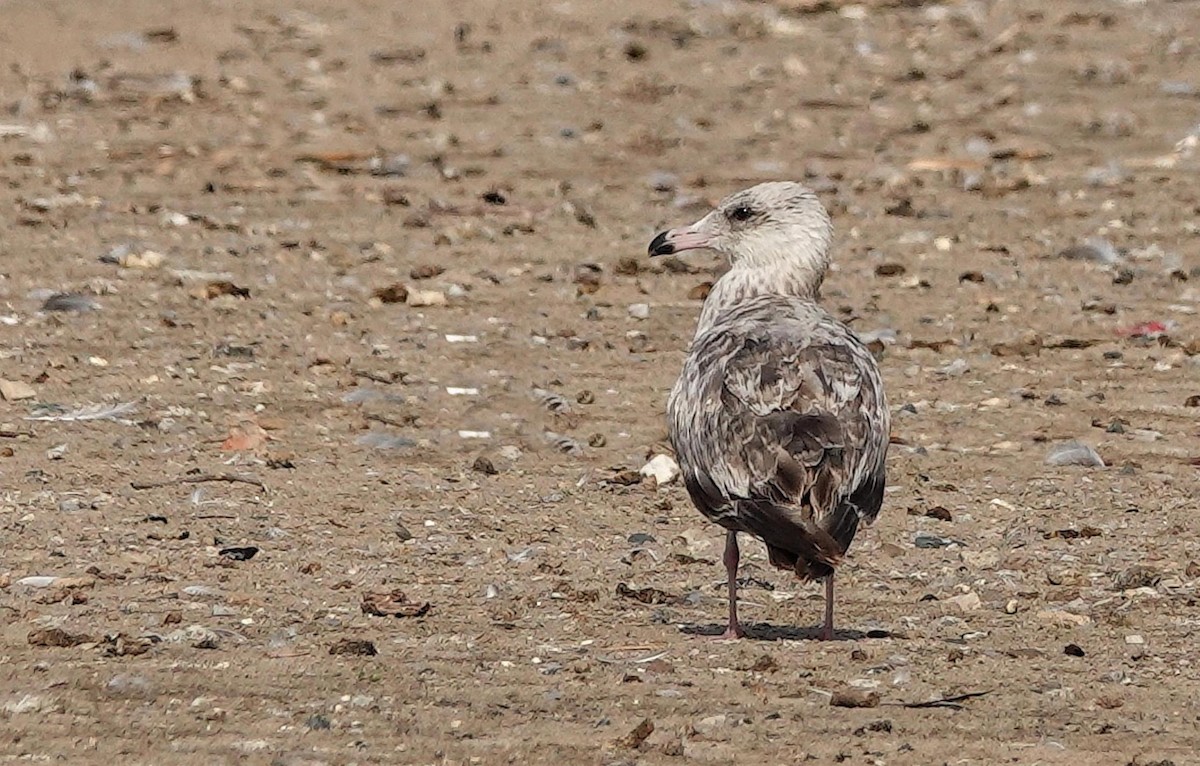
(781, 427)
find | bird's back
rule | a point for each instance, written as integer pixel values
(781, 427)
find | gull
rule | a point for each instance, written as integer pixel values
(778, 419)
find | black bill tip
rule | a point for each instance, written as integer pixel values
(660, 246)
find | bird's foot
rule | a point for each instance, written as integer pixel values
(733, 631)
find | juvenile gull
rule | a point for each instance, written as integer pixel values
(778, 418)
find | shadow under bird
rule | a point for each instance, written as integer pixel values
(778, 419)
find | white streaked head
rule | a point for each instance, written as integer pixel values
(778, 225)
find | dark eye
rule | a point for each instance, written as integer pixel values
(741, 213)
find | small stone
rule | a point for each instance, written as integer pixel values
(145, 260)
(241, 553)
(1073, 650)
(985, 559)
(1138, 576)
(396, 293)
(355, 647)
(709, 724)
(967, 602)
(1093, 249)
(1011, 607)
(15, 390)
(129, 685)
(1134, 640)
(1062, 618)
(426, 271)
(419, 298)
(857, 698)
(27, 703)
(69, 302)
(926, 540)
(940, 513)
(637, 735)
(639, 310)
(627, 266)
(484, 466)
(1074, 453)
(57, 637)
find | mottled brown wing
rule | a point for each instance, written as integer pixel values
(782, 431)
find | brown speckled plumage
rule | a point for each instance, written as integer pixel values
(779, 418)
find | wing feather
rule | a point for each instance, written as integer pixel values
(781, 426)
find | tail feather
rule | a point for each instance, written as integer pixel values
(797, 543)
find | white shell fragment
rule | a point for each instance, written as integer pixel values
(663, 468)
(38, 581)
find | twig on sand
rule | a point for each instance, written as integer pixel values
(200, 479)
(950, 702)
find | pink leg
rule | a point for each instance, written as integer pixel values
(732, 556)
(827, 629)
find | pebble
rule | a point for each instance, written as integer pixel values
(146, 260)
(69, 303)
(710, 724)
(967, 602)
(200, 590)
(1065, 619)
(1134, 640)
(639, 310)
(954, 369)
(28, 703)
(986, 559)
(1007, 446)
(417, 298)
(15, 390)
(1074, 453)
(129, 685)
(926, 540)
(1092, 249)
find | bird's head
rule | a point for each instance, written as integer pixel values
(772, 225)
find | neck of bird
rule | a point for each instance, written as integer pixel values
(783, 277)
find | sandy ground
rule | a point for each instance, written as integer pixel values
(441, 552)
